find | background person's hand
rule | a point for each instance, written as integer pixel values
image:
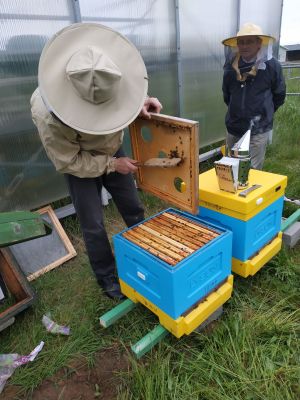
(125, 165)
(151, 104)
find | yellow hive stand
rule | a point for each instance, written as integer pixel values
(184, 325)
(251, 266)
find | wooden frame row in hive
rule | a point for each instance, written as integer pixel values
(170, 237)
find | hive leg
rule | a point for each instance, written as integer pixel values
(290, 220)
(148, 341)
(116, 313)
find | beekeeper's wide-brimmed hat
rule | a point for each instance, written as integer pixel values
(92, 78)
(248, 29)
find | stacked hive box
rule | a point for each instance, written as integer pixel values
(175, 264)
(254, 220)
(172, 262)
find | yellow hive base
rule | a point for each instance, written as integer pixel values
(251, 266)
(185, 325)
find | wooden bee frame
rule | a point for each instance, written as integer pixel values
(167, 137)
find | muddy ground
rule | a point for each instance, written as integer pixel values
(78, 381)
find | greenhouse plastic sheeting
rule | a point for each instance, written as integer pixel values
(180, 42)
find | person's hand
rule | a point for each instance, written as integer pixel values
(125, 165)
(151, 104)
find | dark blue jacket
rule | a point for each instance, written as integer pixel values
(258, 96)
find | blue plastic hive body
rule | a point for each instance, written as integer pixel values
(248, 236)
(174, 289)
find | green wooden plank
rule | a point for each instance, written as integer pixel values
(148, 341)
(290, 220)
(13, 216)
(16, 227)
(116, 313)
(15, 232)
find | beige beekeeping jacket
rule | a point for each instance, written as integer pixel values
(71, 151)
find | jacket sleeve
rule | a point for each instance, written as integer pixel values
(65, 152)
(278, 86)
(225, 88)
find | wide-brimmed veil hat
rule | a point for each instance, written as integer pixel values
(249, 29)
(92, 78)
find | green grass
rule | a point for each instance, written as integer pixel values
(283, 156)
(251, 353)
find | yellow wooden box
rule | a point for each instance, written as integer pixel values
(231, 204)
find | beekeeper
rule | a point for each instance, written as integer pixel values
(92, 84)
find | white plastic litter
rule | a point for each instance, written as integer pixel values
(9, 362)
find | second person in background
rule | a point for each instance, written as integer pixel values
(253, 89)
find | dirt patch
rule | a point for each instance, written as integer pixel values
(78, 381)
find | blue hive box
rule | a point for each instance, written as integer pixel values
(255, 220)
(249, 236)
(174, 289)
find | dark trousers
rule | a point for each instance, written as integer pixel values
(86, 196)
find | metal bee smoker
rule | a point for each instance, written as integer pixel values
(241, 151)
